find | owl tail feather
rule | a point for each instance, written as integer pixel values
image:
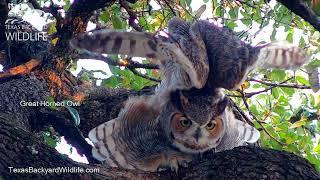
(248, 133)
(276, 55)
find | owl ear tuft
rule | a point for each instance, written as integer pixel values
(221, 106)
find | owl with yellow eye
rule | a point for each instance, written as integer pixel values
(190, 122)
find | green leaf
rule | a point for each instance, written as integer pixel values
(105, 16)
(298, 124)
(286, 19)
(246, 22)
(290, 37)
(288, 91)
(233, 13)
(205, 1)
(317, 148)
(231, 25)
(220, 11)
(302, 80)
(116, 22)
(111, 82)
(277, 75)
(50, 141)
(275, 93)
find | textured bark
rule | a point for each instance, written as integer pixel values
(21, 149)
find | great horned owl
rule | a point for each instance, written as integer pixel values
(197, 60)
(195, 54)
(148, 138)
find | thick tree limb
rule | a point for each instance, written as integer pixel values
(300, 8)
(21, 149)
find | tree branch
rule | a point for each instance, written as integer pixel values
(134, 71)
(255, 118)
(109, 61)
(296, 86)
(21, 149)
(300, 8)
(132, 15)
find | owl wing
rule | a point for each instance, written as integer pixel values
(133, 140)
(141, 44)
(277, 55)
(247, 133)
(231, 59)
(99, 137)
(238, 133)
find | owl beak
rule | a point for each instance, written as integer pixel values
(197, 134)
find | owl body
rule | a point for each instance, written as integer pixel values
(149, 138)
(135, 140)
(188, 114)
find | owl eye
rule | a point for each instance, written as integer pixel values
(211, 125)
(185, 122)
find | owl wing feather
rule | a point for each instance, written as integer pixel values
(248, 133)
(141, 44)
(133, 140)
(231, 59)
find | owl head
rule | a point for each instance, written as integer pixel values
(193, 120)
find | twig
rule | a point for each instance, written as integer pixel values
(142, 75)
(132, 15)
(246, 3)
(271, 86)
(172, 10)
(300, 8)
(297, 86)
(255, 118)
(131, 64)
(35, 4)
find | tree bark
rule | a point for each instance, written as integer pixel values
(21, 149)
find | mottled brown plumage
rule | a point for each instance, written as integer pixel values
(188, 114)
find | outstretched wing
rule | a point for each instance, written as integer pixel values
(101, 137)
(131, 139)
(140, 44)
(277, 55)
(231, 59)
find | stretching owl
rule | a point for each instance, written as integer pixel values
(148, 138)
(195, 54)
(197, 60)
